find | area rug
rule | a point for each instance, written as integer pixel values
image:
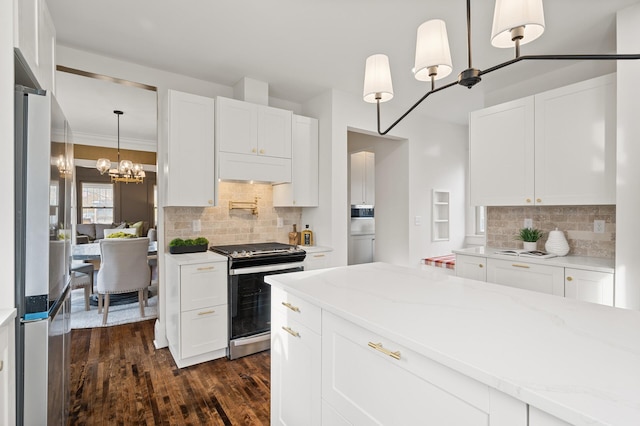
(119, 314)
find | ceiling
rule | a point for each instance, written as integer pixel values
(303, 47)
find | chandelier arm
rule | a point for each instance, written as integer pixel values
(576, 57)
(453, 83)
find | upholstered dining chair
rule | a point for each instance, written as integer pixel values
(123, 269)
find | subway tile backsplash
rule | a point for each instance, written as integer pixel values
(223, 226)
(503, 224)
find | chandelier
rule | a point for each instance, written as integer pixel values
(64, 167)
(515, 22)
(127, 171)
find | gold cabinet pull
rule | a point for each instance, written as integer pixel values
(515, 265)
(207, 268)
(290, 306)
(569, 279)
(1, 364)
(318, 255)
(262, 151)
(480, 265)
(538, 200)
(528, 200)
(290, 331)
(253, 150)
(210, 201)
(206, 312)
(378, 347)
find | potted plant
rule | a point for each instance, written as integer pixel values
(530, 237)
(178, 245)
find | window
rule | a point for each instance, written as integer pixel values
(54, 189)
(97, 202)
(480, 220)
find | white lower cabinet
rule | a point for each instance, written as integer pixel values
(317, 258)
(295, 361)
(361, 249)
(589, 286)
(197, 320)
(540, 418)
(368, 379)
(527, 276)
(472, 267)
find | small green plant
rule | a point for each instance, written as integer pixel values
(530, 235)
(179, 242)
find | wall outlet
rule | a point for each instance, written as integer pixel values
(417, 221)
(598, 226)
(280, 222)
(528, 223)
(196, 225)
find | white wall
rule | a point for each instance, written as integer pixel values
(437, 153)
(7, 278)
(627, 293)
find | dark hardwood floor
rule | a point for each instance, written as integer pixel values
(119, 378)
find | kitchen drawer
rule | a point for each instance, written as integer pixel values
(202, 285)
(527, 276)
(317, 260)
(203, 330)
(296, 309)
(361, 382)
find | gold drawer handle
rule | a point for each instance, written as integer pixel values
(206, 312)
(378, 347)
(569, 279)
(290, 331)
(515, 265)
(480, 265)
(318, 255)
(208, 268)
(290, 306)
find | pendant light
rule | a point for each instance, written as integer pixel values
(126, 171)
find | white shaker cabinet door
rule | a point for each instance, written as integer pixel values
(527, 276)
(274, 132)
(237, 126)
(190, 160)
(472, 267)
(501, 152)
(575, 140)
(589, 286)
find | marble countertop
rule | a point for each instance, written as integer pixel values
(575, 360)
(195, 258)
(6, 315)
(578, 262)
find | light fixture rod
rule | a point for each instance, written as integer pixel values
(453, 83)
(469, 33)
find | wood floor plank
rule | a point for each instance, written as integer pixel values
(119, 378)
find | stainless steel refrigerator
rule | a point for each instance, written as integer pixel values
(43, 184)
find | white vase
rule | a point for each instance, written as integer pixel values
(557, 243)
(530, 245)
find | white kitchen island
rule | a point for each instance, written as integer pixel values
(395, 345)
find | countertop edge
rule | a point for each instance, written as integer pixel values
(6, 315)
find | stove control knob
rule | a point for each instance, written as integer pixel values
(234, 254)
(243, 253)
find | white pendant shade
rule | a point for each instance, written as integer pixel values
(103, 165)
(510, 14)
(377, 79)
(432, 50)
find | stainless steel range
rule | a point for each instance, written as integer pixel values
(250, 296)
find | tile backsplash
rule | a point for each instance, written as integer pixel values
(503, 224)
(220, 225)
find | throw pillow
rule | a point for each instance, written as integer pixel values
(138, 227)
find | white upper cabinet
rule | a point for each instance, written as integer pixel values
(554, 148)
(303, 189)
(35, 37)
(576, 144)
(190, 153)
(363, 178)
(253, 141)
(501, 152)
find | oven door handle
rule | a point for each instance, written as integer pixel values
(265, 268)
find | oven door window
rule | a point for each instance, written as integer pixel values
(250, 303)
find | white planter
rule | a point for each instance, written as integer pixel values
(529, 245)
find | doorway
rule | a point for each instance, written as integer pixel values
(389, 241)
